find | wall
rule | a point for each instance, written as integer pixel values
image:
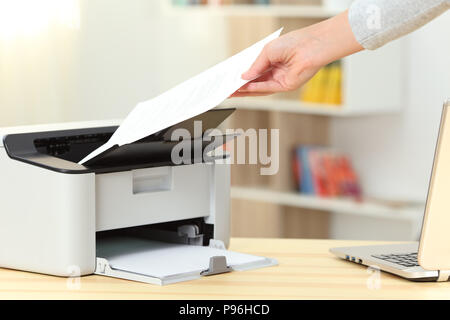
(123, 52)
(38, 60)
(393, 153)
(133, 50)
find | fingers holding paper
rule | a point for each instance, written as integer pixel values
(283, 65)
(261, 86)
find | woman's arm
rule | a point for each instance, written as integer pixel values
(377, 22)
(288, 62)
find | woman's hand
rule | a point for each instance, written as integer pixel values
(285, 64)
(288, 62)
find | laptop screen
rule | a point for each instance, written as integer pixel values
(434, 248)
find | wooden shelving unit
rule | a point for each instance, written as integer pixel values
(268, 206)
(292, 106)
(283, 105)
(365, 208)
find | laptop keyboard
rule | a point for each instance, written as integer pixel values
(406, 260)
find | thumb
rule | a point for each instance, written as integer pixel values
(260, 66)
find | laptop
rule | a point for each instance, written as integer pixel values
(429, 259)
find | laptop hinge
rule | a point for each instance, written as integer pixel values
(443, 275)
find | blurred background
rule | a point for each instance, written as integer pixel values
(356, 142)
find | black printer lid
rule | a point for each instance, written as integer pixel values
(61, 150)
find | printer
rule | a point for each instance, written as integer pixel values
(129, 213)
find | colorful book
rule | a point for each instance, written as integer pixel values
(324, 172)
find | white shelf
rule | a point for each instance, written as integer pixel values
(338, 205)
(292, 11)
(292, 106)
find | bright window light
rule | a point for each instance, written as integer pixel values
(31, 17)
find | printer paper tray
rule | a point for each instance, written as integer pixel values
(163, 263)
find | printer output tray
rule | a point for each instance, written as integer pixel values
(61, 150)
(162, 263)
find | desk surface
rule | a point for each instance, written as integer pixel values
(306, 271)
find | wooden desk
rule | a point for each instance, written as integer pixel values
(306, 271)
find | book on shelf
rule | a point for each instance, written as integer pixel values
(325, 87)
(324, 172)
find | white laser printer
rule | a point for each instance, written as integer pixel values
(129, 213)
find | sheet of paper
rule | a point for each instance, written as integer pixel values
(190, 98)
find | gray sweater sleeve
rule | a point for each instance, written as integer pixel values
(377, 22)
